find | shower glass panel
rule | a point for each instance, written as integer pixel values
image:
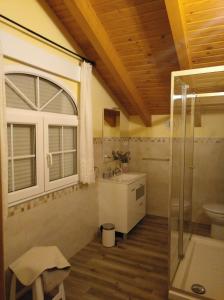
(175, 176)
(196, 180)
(182, 120)
(187, 171)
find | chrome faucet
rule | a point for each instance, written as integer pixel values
(108, 173)
(117, 171)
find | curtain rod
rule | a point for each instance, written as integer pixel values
(47, 39)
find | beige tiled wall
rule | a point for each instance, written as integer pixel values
(109, 144)
(157, 171)
(208, 175)
(208, 180)
(68, 219)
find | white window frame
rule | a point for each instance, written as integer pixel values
(52, 119)
(20, 116)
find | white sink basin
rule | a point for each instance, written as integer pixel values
(125, 178)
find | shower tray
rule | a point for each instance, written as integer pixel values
(203, 264)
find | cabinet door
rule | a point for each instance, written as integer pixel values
(113, 205)
(140, 200)
(136, 202)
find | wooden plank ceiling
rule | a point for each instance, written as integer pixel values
(204, 23)
(136, 44)
(140, 34)
(198, 32)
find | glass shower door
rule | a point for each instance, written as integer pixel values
(187, 151)
(182, 141)
(175, 177)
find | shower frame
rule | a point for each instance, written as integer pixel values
(175, 293)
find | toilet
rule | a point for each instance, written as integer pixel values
(176, 207)
(215, 212)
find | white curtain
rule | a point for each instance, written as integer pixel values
(3, 139)
(86, 127)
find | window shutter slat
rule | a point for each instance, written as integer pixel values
(56, 168)
(70, 167)
(47, 90)
(9, 176)
(69, 135)
(24, 169)
(24, 173)
(61, 104)
(63, 164)
(24, 140)
(54, 138)
(13, 100)
(26, 84)
(9, 139)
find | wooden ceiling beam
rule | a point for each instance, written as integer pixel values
(86, 18)
(177, 23)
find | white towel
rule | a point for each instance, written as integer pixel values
(35, 261)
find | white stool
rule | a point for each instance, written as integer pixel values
(37, 290)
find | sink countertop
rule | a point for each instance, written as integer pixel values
(124, 178)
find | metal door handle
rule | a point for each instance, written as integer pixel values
(49, 160)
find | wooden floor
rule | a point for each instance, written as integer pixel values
(201, 229)
(135, 269)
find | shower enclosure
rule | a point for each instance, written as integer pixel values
(197, 139)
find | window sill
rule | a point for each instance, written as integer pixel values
(78, 184)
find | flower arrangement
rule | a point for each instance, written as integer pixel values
(123, 157)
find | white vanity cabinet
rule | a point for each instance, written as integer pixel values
(122, 201)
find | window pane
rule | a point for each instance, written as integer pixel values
(55, 133)
(26, 84)
(70, 167)
(23, 139)
(47, 90)
(24, 173)
(13, 100)
(55, 171)
(9, 176)
(9, 139)
(63, 104)
(69, 136)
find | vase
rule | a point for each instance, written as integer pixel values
(124, 167)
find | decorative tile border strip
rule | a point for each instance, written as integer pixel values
(30, 204)
(99, 140)
(124, 139)
(113, 139)
(203, 140)
(150, 139)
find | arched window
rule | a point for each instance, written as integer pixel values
(42, 136)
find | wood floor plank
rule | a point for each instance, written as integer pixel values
(135, 269)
